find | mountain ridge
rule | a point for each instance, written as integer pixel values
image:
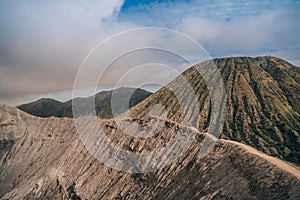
(47, 107)
(263, 103)
(45, 162)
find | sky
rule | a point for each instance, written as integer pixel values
(43, 43)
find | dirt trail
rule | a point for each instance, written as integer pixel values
(279, 163)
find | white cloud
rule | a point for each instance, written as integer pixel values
(268, 30)
(227, 27)
(42, 43)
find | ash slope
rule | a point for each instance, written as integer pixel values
(263, 108)
(44, 159)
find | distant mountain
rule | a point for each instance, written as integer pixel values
(46, 107)
(263, 103)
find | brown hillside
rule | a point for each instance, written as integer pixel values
(263, 108)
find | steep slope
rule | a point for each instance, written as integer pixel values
(49, 107)
(47, 160)
(263, 108)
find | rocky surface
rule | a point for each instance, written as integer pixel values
(44, 159)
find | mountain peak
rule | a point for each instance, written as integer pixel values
(263, 108)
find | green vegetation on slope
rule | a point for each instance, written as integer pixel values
(263, 108)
